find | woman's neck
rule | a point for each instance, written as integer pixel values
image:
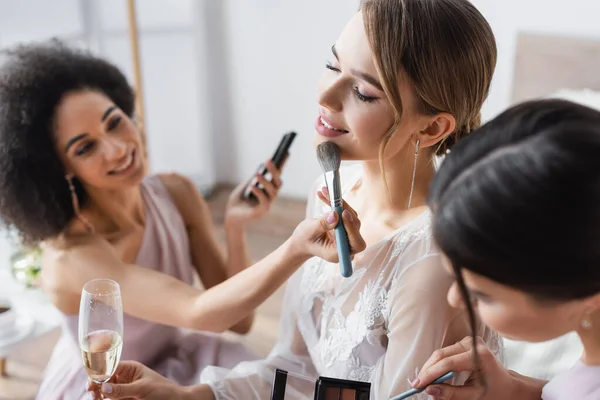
(591, 341)
(118, 208)
(393, 201)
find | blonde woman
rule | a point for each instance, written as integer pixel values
(407, 80)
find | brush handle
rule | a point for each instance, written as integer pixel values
(343, 247)
(412, 392)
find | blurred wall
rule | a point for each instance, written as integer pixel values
(275, 55)
(172, 39)
(224, 79)
(576, 18)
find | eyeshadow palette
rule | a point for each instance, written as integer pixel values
(325, 388)
(341, 389)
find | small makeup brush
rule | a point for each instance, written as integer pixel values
(412, 392)
(328, 154)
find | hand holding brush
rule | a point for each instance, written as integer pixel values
(328, 154)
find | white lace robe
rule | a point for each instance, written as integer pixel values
(380, 325)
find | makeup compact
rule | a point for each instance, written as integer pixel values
(324, 388)
(341, 389)
(335, 389)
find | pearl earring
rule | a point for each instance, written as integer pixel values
(586, 321)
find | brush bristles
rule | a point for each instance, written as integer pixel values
(328, 154)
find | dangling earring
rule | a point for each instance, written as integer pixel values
(412, 185)
(75, 202)
(586, 321)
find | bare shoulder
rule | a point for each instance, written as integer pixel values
(176, 183)
(185, 194)
(67, 261)
(181, 188)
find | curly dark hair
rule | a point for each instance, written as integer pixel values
(34, 194)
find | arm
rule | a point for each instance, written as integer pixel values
(290, 353)
(249, 380)
(238, 259)
(206, 253)
(254, 379)
(418, 320)
(160, 298)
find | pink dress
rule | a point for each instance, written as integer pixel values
(582, 382)
(174, 353)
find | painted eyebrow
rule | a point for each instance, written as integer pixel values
(107, 112)
(364, 76)
(77, 138)
(74, 140)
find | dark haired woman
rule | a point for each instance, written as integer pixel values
(516, 212)
(73, 179)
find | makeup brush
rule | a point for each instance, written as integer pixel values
(412, 392)
(328, 154)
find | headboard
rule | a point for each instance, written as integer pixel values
(546, 64)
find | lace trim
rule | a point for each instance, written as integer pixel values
(341, 335)
(363, 323)
(361, 373)
(221, 390)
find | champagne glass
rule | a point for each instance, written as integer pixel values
(101, 328)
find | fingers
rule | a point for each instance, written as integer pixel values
(458, 358)
(323, 195)
(440, 354)
(352, 226)
(275, 173)
(267, 186)
(94, 390)
(319, 232)
(457, 363)
(129, 390)
(94, 396)
(328, 221)
(449, 392)
(91, 386)
(260, 195)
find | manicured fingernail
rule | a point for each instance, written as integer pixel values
(107, 388)
(348, 215)
(330, 217)
(433, 391)
(415, 382)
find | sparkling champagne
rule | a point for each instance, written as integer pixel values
(101, 352)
